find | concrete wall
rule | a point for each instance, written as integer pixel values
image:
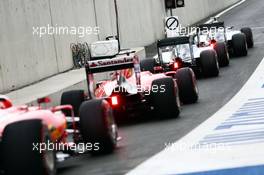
(196, 10)
(26, 58)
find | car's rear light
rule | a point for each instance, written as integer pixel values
(176, 65)
(114, 100)
(213, 43)
(5, 103)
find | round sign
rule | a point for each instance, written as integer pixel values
(180, 3)
(172, 23)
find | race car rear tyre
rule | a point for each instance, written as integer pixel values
(165, 100)
(249, 36)
(222, 54)
(239, 45)
(147, 65)
(21, 149)
(209, 63)
(187, 85)
(97, 126)
(74, 98)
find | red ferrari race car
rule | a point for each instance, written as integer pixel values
(31, 137)
(131, 92)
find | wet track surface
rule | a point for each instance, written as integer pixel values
(144, 139)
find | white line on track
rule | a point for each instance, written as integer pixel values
(234, 157)
(259, 43)
(256, 28)
(226, 10)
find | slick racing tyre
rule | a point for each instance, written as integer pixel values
(239, 45)
(165, 101)
(20, 156)
(209, 63)
(147, 65)
(97, 126)
(249, 36)
(222, 54)
(74, 98)
(186, 82)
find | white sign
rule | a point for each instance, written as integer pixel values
(172, 22)
(171, 26)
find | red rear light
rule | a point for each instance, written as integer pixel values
(176, 65)
(5, 104)
(213, 43)
(114, 100)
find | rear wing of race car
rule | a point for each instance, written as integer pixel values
(203, 27)
(107, 65)
(111, 64)
(173, 41)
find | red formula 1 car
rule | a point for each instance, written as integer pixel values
(31, 137)
(132, 92)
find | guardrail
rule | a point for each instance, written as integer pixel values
(229, 142)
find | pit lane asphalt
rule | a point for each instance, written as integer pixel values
(144, 139)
